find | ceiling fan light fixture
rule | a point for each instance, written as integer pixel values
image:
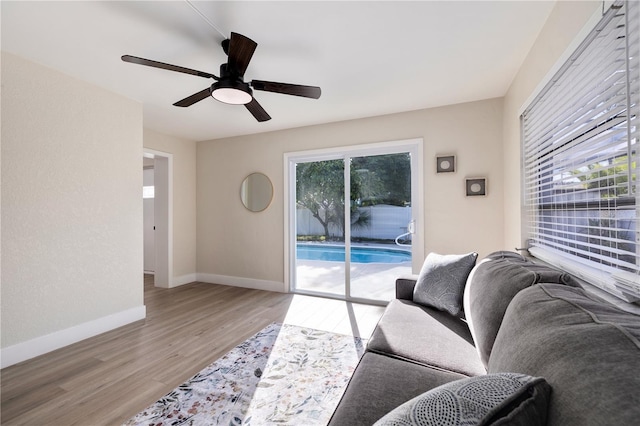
(230, 87)
(231, 92)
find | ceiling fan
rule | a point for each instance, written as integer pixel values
(230, 86)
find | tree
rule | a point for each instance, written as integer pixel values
(612, 178)
(320, 189)
(385, 179)
(381, 179)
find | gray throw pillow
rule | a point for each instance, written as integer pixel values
(442, 279)
(493, 399)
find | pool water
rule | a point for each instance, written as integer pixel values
(358, 254)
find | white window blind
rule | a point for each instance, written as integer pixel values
(580, 159)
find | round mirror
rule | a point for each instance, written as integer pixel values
(256, 192)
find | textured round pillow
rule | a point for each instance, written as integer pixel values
(502, 398)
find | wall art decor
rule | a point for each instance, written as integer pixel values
(446, 164)
(476, 187)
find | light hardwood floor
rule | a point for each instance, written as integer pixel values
(106, 379)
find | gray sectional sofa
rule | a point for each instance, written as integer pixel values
(578, 356)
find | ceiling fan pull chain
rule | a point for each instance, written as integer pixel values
(202, 15)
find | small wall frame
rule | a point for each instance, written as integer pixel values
(445, 164)
(476, 187)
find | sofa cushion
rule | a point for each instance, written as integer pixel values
(586, 349)
(503, 398)
(442, 279)
(380, 384)
(504, 254)
(490, 287)
(426, 336)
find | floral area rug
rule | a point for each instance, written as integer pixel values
(285, 375)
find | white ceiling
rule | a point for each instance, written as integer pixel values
(369, 57)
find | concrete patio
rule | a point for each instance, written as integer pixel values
(368, 280)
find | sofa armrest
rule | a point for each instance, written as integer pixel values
(404, 287)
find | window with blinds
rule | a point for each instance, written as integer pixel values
(580, 159)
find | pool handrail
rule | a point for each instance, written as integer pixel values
(400, 236)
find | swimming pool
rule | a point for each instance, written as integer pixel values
(358, 254)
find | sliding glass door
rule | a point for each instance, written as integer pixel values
(381, 222)
(352, 220)
(320, 260)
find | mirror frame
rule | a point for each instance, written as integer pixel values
(253, 200)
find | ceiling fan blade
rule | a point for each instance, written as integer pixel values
(257, 111)
(196, 97)
(241, 50)
(164, 66)
(287, 89)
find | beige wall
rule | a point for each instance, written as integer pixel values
(233, 242)
(565, 26)
(184, 201)
(71, 205)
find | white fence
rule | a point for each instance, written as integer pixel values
(385, 222)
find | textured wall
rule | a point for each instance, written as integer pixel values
(71, 202)
(235, 242)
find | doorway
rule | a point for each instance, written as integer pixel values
(161, 253)
(353, 219)
(148, 198)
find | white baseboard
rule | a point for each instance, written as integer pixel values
(50, 342)
(242, 282)
(40, 345)
(184, 279)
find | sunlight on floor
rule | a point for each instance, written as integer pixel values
(348, 318)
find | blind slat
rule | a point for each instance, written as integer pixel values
(580, 158)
